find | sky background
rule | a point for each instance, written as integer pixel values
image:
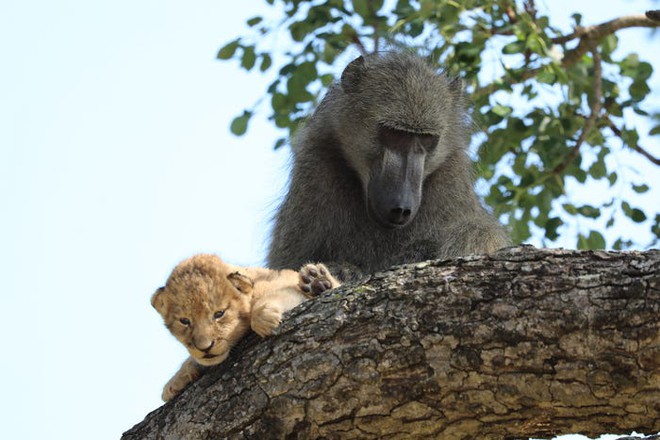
(116, 162)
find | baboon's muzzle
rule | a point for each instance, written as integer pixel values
(394, 192)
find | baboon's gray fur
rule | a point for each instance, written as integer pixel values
(325, 215)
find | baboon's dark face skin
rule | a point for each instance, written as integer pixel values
(394, 189)
(395, 118)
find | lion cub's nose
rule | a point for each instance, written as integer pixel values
(204, 345)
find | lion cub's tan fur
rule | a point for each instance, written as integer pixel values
(209, 305)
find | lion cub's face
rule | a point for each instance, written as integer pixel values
(205, 307)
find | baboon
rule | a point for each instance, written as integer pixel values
(381, 176)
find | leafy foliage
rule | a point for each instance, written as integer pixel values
(550, 108)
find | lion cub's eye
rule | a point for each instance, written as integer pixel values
(185, 321)
(219, 314)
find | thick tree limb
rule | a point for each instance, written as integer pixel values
(522, 343)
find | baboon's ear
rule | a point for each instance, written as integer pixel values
(352, 74)
(158, 300)
(241, 282)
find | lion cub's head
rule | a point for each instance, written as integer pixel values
(206, 307)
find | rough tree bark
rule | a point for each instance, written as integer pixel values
(522, 343)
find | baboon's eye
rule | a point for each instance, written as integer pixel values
(391, 137)
(219, 314)
(428, 141)
(185, 321)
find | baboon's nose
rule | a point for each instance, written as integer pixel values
(399, 216)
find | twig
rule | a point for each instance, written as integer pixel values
(589, 36)
(530, 8)
(356, 40)
(596, 106)
(511, 13)
(596, 32)
(618, 133)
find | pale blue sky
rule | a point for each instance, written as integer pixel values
(116, 162)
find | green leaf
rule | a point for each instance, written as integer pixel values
(609, 44)
(638, 215)
(635, 214)
(598, 170)
(266, 62)
(577, 18)
(620, 244)
(595, 240)
(239, 124)
(551, 228)
(535, 43)
(254, 21)
(612, 177)
(228, 50)
(426, 8)
(546, 76)
(279, 103)
(327, 79)
(502, 110)
(644, 71)
(512, 48)
(249, 58)
(655, 130)
(361, 7)
(299, 30)
(520, 231)
(638, 90)
(582, 242)
(640, 188)
(589, 211)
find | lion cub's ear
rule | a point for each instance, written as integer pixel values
(158, 301)
(241, 282)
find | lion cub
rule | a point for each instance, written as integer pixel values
(209, 305)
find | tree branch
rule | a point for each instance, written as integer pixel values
(523, 343)
(597, 32)
(588, 37)
(361, 47)
(593, 34)
(617, 132)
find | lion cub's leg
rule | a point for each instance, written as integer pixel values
(189, 372)
(273, 299)
(315, 279)
(286, 292)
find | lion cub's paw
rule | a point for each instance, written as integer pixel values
(314, 279)
(265, 318)
(186, 375)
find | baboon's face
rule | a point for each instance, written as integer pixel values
(397, 126)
